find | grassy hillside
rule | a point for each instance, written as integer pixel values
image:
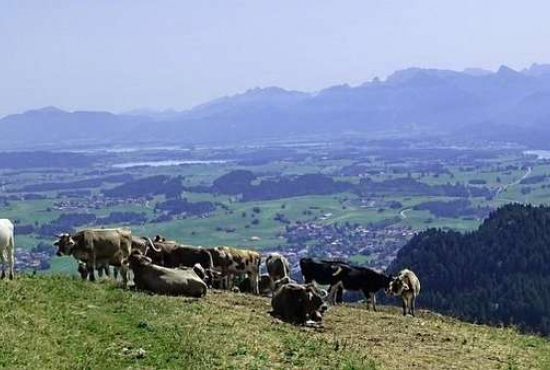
(50, 322)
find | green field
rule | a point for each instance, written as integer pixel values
(62, 323)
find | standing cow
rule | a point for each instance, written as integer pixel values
(359, 278)
(230, 262)
(278, 268)
(406, 285)
(98, 247)
(322, 272)
(7, 247)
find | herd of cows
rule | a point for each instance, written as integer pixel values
(166, 267)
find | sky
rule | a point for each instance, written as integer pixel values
(119, 55)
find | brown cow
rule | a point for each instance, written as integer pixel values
(232, 261)
(98, 247)
(297, 303)
(162, 280)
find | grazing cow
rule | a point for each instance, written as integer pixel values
(359, 278)
(278, 268)
(321, 272)
(7, 247)
(98, 247)
(297, 303)
(183, 281)
(231, 261)
(245, 285)
(407, 285)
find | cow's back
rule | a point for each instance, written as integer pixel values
(412, 281)
(6, 232)
(107, 243)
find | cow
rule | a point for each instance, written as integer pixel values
(104, 268)
(7, 248)
(298, 303)
(171, 254)
(98, 247)
(321, 272)
(359, 278)
(406, 285)
(232, 261)
(265, 287)
(184, 281)
(278, 268)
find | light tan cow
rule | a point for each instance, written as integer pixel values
(406, 285)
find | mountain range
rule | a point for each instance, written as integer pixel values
(506, 105)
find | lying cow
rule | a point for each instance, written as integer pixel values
(278, 268)
(98, 247)
(230, 262)
(359, 278)
(297, 303)
(170, 281)
(406, 285)
(321, 272)
(7, 246)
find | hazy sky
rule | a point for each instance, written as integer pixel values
(118, 55)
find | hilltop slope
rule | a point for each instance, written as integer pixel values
(61, 323)
(495, 274)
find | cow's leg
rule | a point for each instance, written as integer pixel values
(254, 281)
(373, 300)
(91, 266)
(404, 302)
(339, 293)
(3, 258)
(412, 305)
(332, 294)
(11, 258)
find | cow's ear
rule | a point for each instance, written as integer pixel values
(405, 286)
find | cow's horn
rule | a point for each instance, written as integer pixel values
(152, 245)
(338, 271)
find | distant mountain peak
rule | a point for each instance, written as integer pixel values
(47, 109)
(537, 70)
(507, 71)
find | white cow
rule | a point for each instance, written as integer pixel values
(7, 243)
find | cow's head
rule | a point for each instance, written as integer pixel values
(159, 239)
(397, 286)
(137, 259)
(314, 301)
(65, 244)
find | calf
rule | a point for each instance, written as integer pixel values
(297, 303)
(7, 246)
(406, 285)
(278, 268)
(163, 280)
(232, 261)
(359, 278)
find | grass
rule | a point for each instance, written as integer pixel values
(55, 322)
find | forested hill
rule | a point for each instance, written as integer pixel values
(497, 274)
